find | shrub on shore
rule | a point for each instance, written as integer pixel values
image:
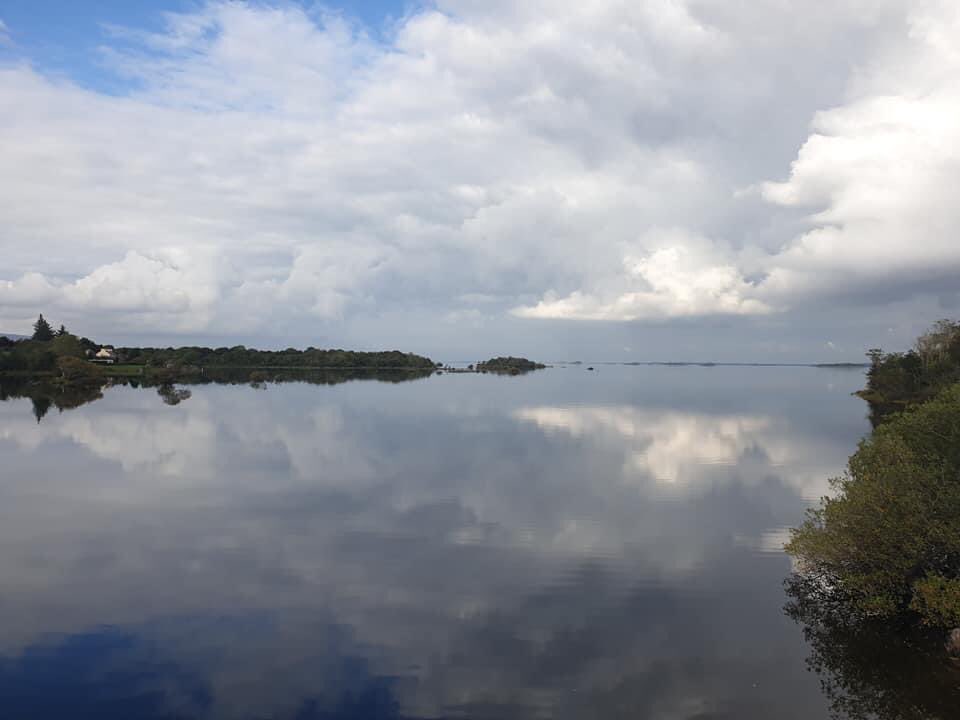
(888, 541)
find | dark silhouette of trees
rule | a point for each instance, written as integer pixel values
(41, 406)
(242, 357)
(42, 332)
(899, 379)
(511, 365)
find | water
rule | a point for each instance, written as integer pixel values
(566, 544)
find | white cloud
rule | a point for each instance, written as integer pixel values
(170, 280)
(881, 172)
(174, 286)
(685, 449)
(274, 167)
(31, 289)
(670, 274)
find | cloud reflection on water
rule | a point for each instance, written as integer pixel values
(684, 448)
(489, 558)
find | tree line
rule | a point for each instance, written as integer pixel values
(61, 352)
(243, 357)
(897, 380)
(45, 351)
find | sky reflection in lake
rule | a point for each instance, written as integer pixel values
(565, 544)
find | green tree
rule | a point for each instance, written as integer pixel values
(67, 345)
(42, 331)
(900, 379)
(73, 370)
(62, 331)
(888, 541)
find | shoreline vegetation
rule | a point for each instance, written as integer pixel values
(898, 381)
(914, 403)
(63, 359)
(876, 584)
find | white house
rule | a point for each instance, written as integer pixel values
(105, 356)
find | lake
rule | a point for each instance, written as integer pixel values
(564, 544)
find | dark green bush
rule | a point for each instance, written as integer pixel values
(889, 539)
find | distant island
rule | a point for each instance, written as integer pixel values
(497, 365)
(709, 363)
(512, 365)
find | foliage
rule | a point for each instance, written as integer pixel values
(28, 356)
(42, 332)
(67, 345)
(938, 599)
(76, 371)
(889, 540)
(242, 357)
(511, 365)
(897, 380)
(40, 354)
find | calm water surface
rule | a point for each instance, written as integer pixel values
(567, 544)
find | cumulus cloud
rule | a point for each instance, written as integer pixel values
(167, 285)
(29, 290)
(879, 172)
(670, 275)
(274, 167)
(685, 449)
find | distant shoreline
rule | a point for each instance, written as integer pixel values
(664, 363)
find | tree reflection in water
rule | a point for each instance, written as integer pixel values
(870, 670)
(46, 394)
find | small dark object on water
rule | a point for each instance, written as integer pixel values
(953, 643)
(589, 368)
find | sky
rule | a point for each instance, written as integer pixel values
(727, 180)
